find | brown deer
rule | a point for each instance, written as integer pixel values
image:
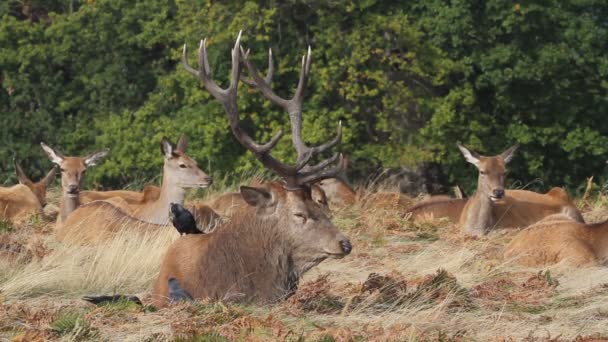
(27, 198)
(150, 192)
(72, 177)
(559, 239)
(493, 207)
(98, 220)
(261, 253)
(228, 203)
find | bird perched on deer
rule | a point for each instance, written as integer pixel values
(183, 220)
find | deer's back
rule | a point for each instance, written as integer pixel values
(439, 208)
(18, 202)
(98, 221)
(521, 208)
(556, 238)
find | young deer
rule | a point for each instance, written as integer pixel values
(27, 198)
(72, 177)
(98, 220)
(494, 207)
(261, 253)
(559, 239)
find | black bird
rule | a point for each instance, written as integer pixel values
(183, 220)
(177, 293)
(99, 300)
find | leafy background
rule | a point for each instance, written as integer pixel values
(407, 79)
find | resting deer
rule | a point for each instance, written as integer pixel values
(98, 220)
(559, 239)
(229, 203)
(261, 253)
(72, 177)
(493, 207)
(27, 198)
(148, 194)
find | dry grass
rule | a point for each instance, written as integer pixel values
(404, 281)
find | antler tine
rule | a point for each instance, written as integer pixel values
(322, 165)
(294, 107)
(325, 173)
(228, 98)
(269, 73)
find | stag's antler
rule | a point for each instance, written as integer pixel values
(295, 176)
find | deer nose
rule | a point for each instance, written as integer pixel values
(209, 180)
(72, 189)
(346, 246)
(499, 193)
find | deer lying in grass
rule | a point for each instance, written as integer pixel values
(19, 202)
(261, 253)
(99, 220)
(72, 176)
(493, 207)
(559, 239)
(231, 202)
(148, 194)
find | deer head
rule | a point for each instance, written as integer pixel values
(39, 188)
(492, 170)
(73, 168)
(180, 170)
(288, 203)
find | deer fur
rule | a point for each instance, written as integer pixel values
(259, 255)
(104, 218)
(19, 202)
(72, 177)
(492, 207)
(557, 239)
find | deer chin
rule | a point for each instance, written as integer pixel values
(334, 255)
(72, 194)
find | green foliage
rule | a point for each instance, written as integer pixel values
(6, 226)
(72, 323)
(407, 81)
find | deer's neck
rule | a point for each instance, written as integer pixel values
(157, 212)
(251, 257)
(67, 205)
(478, 216)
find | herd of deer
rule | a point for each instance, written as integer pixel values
(270, 233)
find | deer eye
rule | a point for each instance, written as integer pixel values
(301, 216)
(62, 170)
(482, 172)
(183, 166)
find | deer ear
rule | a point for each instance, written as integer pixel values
(257, 197)
(50, 176)
(23, 179)
(182, 144)
(470, 155)
(55, 156)
(94, 158)
(166, 148)
(509, 153)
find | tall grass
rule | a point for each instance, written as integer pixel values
(127, 263)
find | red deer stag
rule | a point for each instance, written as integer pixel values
(493, 207)
(260, 255)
